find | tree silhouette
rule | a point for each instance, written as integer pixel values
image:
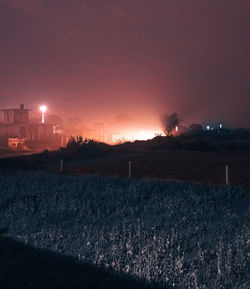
(169, 122)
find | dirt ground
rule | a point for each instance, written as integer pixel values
(7, 153)
(188, 166)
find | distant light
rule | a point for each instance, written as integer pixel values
(221, 125)
(176, 128)
(43, 109)
(208, 127)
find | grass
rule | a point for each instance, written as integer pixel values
(176, 235)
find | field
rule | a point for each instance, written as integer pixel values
(189, 166)
(168, 234)
(194, 159)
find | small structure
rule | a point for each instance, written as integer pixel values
(19, 133)
(214, 126)
(15, 122)
(195, 128)
(16, 143)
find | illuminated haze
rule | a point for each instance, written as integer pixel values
(96, 59)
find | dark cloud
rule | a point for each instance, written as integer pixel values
(97, 59)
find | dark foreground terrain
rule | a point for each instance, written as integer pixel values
(154, 159)
(23, 266)
(174, 165)
(116, 232)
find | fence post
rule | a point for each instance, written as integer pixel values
(61, 166)
(129, 169)
(227, 179)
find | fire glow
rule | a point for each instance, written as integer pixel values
(132, 135)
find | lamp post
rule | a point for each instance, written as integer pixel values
(43, 109)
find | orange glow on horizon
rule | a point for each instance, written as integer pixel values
(134, 135)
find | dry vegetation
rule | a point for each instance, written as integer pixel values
(177, 235)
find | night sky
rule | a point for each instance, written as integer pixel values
(96, 59)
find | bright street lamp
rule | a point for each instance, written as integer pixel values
(43, 109)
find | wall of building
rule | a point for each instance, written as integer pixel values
(14, 130)
(8, 116)
(21, 116)
(40, 132)
(16, 116)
